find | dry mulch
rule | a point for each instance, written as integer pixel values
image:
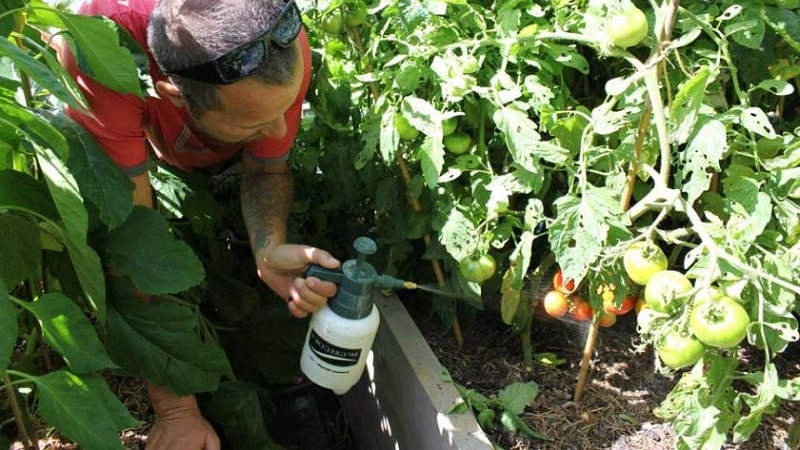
(623, 387)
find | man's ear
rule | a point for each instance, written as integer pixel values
(171, 92)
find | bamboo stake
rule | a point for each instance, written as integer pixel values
(401, 163)
(588, 349)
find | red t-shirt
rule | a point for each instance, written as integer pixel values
(123, 124)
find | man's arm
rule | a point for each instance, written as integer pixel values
(266, 202)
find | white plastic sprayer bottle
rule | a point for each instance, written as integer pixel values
(341, 333)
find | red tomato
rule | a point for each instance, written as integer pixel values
(627, 304)
(560, 285)
(556, 304)
(582, 310)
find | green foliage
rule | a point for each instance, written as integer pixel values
(581, 148)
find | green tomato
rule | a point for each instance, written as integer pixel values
(404, 128)
(665, 289)
(457, 143)
(477, 269)
(642, 260)
(332, 23)
(647, 319)
(627, 28)
(679, 350)
(469, 64)
(719, 323)
(449, 126)
(356, 14)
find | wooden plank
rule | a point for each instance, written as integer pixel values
(401, 401)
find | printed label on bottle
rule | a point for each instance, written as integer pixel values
(332, 354)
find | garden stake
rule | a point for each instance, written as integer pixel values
(588, 349)
(437, 268)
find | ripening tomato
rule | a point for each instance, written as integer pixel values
(405, 130)
(356, 13)
(449, 126)
(627, 28)
(640, 304)
(477, 269)
(556, 304)
(666, 290)
(560, 285)
(332, 23)
(678, 350)
(719, 323)
(607, 319)
(643, 259)
(457, 143)
(582, 311)
(627, 304)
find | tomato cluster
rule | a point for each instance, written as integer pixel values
(715, 320)
(562, 301)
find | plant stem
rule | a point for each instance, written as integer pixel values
(28, 442)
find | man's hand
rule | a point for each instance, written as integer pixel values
(178, 423)
(282, 267)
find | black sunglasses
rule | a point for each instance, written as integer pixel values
(246, 58)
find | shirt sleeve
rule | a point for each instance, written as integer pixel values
(114, 120)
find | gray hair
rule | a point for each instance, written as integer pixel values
(185, 33)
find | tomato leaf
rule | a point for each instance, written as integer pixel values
(701, 156)
(766, 386)
(518, 395)
(687, 103)
(20, 252)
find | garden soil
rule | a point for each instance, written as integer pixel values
(615, 411)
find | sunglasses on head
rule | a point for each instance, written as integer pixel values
(246, 58)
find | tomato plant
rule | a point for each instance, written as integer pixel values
(356, 13)
(642, 260)
(627, 28)
(678, 350)
(666, 291)
(556, 304)
(719, 323)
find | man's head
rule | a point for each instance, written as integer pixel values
(213, 49)
(204, 43)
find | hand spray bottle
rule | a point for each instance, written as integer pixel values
(341, 333)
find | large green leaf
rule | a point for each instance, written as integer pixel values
(43, 75)
(67, 329)
(73, 214)
(187, 195)
(100, 180)
(83, 408)
(159, 342)
(21, 192)
(97, 48)
(8, 327)
(143, 249)
(34, 127)
(19, 248)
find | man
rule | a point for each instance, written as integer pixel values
(231, 76)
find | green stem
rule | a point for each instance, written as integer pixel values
(28, 441)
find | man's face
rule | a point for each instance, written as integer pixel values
(251, 110)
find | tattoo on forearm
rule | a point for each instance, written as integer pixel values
(266, 202)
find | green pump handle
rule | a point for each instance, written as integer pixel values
(356, 280)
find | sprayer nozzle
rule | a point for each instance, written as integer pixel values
(394, 283)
